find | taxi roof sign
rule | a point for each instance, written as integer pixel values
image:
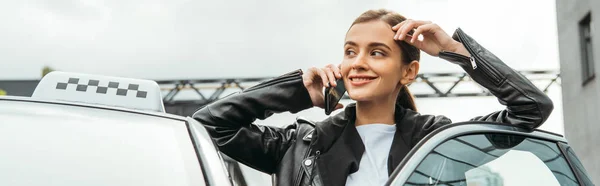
(102, 90)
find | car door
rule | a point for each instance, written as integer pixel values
(63, 144)
(489, 154)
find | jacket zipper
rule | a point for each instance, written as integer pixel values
(283, 78)
(486, 68)
(470, 59)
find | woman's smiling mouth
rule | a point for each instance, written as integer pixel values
(358, 80)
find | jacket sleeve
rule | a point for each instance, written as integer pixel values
(229, 121)
(525, 104)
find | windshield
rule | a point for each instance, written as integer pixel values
(46, 144)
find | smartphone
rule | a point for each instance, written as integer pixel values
(333, 95)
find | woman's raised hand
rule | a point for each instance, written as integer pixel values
(434, 38)
(316, 78)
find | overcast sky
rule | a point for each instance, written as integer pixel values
(166, 39)
(174, 39)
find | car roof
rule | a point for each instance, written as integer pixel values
(97, 106)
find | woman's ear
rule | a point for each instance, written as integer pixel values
(410, 72)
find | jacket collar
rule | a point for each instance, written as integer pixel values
(330, 129)
(342, 148)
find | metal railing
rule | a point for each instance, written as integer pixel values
(432, 81)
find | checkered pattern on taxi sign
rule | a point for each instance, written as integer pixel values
(132, 89)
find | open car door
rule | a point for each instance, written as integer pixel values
(475, 154)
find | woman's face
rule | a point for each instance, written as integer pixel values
(372, 67)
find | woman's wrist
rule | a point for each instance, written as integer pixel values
(459, 48)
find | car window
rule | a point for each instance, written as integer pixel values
(45, 144)
(493, 159)
(585, 178)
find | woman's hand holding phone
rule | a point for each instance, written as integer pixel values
(315, 79)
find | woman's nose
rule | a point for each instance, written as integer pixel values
(359, 63)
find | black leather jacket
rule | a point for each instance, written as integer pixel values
(326, 152)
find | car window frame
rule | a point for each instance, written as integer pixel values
(415, 156)
(195, 129)
(578, 174)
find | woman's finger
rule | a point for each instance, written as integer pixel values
(401, 27)
(338, 106)
(323, 77)
(420, 30)
(405, 29)
(336, 70)
(397, 26)
(330, 76)
(417, 43)
(399, 30)
(409, 26)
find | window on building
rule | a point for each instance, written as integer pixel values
(587, 58)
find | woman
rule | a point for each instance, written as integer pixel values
(363, 144)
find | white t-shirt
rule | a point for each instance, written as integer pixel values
(373, 169)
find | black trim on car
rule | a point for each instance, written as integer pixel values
(563, 149)
(548, 132)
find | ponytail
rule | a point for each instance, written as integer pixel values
(406, 99)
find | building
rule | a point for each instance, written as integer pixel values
(579, 46)
(18, 87)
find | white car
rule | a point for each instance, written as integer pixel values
(80, 129)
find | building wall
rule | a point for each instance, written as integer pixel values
(18, 87)
(580, 102)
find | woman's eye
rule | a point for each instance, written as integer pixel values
(350, 52)
(377, 54)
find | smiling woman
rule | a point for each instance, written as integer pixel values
(381, 47)
(381, 54)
